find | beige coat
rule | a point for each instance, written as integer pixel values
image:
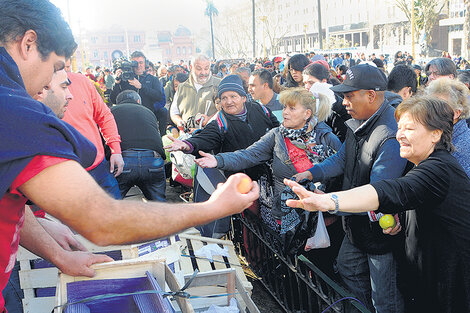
(190, 102)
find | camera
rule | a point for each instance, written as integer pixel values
(127, 68)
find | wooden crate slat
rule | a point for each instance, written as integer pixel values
(203, 264)
(39, 278)
(38, 305)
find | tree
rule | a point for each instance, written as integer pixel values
(210, 11)
(273, 27)
(426, 16)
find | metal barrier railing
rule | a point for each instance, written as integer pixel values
(294, 282)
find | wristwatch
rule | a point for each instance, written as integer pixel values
(334, 198)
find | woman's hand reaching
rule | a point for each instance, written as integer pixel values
(304, 175)
(207, 160)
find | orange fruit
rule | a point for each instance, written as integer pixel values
(244, 186)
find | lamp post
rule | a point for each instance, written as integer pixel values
(320, 31)
(264, 19)
(413, 29)
(305, 31)
(254, 38)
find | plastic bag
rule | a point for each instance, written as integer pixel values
(211, 250)
(321, 239)
(182, 161)
(296, 224)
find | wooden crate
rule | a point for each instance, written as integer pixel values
(217, 288)
(126, 269)
(34, 280)
(189, 262)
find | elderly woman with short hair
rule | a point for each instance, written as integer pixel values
(456, 95)
(437, 188)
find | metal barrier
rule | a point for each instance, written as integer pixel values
(294, 282)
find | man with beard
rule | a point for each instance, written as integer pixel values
(194, 98)
(57, 95)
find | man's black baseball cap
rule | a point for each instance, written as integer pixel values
(362, 76)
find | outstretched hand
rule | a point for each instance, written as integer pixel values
(207, 160)
(177, 145)
(308, 200)
(228, 200)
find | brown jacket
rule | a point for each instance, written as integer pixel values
(191, 102)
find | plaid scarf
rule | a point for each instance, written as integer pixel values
(305, 139)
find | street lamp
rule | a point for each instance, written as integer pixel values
(305, 31)
(264, 19)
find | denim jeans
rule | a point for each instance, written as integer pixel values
(144, 169)
(371, 278)
(12, 293)
(105, 179)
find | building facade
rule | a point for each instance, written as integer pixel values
(291, 26)
(176, 46)
(102, 47)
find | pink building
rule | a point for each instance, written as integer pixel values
(104, 46)
(177, 46)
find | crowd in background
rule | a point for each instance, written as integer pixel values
(257, 116)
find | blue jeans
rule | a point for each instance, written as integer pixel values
(144, 169)
(105, 179)
(371, 278)
(12, 293)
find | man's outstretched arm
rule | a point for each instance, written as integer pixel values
(69, 193)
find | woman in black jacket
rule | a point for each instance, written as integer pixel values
(437, 188)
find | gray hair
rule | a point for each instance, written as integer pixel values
(455, 93)
(444, 66)
(163, 67)
(464, 77)
(198, 58)
(128, 96)
(243, 70)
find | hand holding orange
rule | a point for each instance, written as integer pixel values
(245, 184)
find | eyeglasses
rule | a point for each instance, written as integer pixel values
(435, 73)
(292, 70)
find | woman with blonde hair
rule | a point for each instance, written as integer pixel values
(456, 94)
(303, 132)
(302, 140)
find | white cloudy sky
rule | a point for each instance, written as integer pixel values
(138, 14)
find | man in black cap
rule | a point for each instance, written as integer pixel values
(370, 153)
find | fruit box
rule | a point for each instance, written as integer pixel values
(121, 287)
(218, 287)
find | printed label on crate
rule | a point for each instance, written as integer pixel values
(153, 246)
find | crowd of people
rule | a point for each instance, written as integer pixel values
(376, 136)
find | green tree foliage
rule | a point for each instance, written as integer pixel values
(426, 16)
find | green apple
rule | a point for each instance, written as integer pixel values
(387, 221)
